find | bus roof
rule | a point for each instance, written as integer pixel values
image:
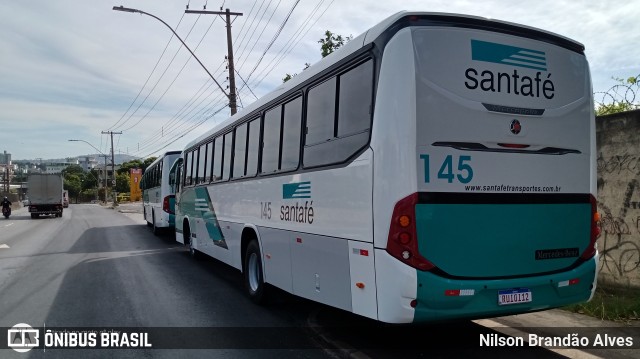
(378, 31)
(168, 153)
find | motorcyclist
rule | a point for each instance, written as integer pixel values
(5, 203)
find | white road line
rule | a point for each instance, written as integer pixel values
(10, 224)
(4, 246)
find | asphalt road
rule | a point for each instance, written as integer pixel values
(100, 268)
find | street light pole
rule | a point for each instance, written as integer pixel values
(105, 165)
(126, 9)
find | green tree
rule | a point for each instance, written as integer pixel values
(621, 97)
(289, 76)
(330, 43)
(73, 169)
(127, 166)
(147, 162)
(19, 177)
(73, 184)
(122, 183)
(90, 180)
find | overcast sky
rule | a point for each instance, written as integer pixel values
(71, 69)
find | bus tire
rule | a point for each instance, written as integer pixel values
(144, 210)
(193, 253)
(252, 273)
(154, 228)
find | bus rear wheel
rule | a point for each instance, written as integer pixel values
(144, 210)
(252, 273)
(154, 228)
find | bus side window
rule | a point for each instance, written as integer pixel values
(226, 161)
(333, 139)
(202, 164)
(291, 124)
(240, 151)
(178, 175)
(253, 147)
(217, 159)
(271, 140)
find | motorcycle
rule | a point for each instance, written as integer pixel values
(6, 212)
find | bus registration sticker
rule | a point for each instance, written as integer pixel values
(514, 296)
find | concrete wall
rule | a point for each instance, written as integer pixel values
(618, 143)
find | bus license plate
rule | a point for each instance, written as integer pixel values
(514, 296)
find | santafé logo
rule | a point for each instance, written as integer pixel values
(511, 82)
(508, 55)
(296, 190)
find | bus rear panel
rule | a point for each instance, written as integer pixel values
(499, 218)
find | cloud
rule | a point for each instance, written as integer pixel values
(76, 68)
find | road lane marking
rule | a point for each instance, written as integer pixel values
(10, 224)
(2, 246)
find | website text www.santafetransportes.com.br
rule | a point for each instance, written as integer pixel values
(508, 188)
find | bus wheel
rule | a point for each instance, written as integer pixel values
(154, 228)
(145, 217)
(189, 243)
(252, 272)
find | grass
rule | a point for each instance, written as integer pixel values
(611, 303)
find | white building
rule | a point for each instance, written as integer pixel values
(57, 167)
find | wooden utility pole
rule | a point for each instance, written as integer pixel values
(232, 75)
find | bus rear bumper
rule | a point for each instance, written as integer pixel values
(441, 298)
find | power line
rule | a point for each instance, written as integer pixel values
(254, 32)
(249, 29)
(184, 134)
(148, 77)
(245, 22)
(290, 46)
(178, 127)
(299, 34)
(175, 117)
(159, 79)
(246, 85)
(274, 38)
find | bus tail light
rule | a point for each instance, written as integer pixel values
(595, 230)
(403, 239)
(166, 204)
(566, 283)
(513, 145)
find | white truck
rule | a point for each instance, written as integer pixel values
(45, 194)
(65, 198)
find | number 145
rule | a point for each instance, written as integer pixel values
(464, 172)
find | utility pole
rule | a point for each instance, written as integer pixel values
(113, 165)
(105, 178)
(232, 76)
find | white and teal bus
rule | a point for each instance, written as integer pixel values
(436, 167)
(158, 195)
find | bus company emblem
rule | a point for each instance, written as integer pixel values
(296, 190)
(523, 83)
(508, 55)
(515, 127)
(543, 254)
